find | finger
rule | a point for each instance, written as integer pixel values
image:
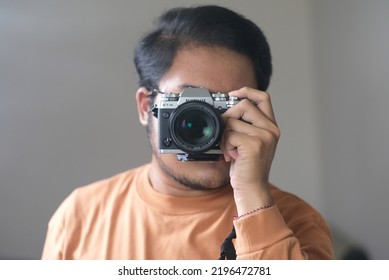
(235, 144)
(249, 129)
(260, 98)
(249, 113)
(231, 144)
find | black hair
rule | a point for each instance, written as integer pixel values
(203, 26)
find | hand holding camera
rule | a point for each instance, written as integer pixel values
(199, 125)
(249, 142)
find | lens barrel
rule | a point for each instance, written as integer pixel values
(195, 127)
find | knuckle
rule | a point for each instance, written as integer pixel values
(265, 96)
(245, 88)
(277, 133)
(267, 138)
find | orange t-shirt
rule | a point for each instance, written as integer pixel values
(123, 217)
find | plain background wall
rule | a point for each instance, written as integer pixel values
(68, 115)
(351, 46)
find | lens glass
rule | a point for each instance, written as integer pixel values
(194, 127)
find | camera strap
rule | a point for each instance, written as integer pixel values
(227, 250)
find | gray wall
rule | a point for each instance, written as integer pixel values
(68, 118)
(352, 62)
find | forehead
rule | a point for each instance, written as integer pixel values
(214, 68)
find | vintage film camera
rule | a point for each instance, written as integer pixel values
(189, 123)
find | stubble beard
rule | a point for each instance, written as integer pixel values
(201, 184)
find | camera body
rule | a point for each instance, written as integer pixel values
(189, 123)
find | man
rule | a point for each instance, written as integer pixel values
(170, 209)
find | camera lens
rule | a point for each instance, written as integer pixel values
(195, 127)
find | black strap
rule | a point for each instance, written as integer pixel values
(227, 250)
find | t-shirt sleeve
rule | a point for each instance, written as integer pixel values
(56, 234)
(266, 235)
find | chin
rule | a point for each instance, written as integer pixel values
(217, 169)
(205, 175)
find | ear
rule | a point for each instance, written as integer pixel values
(143, 103)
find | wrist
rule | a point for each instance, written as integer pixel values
(253, 211)
(250, 200)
